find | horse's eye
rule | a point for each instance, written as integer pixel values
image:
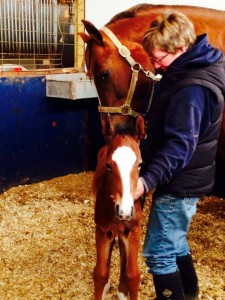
(108, 166)
(103, 75)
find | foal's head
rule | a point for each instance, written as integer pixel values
(122, 159)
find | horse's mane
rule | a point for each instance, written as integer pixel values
(132, 12)
(143, 8)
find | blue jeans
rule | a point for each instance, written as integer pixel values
(166, 235)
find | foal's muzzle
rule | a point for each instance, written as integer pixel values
(122, 214)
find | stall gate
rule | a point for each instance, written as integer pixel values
(38, 34)
(42, 135)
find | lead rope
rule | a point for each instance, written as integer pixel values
(151, 97)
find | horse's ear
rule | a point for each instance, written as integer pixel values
(140, 127)
(93, 32)
(85, 37)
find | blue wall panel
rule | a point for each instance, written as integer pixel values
(42, 137)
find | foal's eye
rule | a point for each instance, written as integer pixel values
(108, 166)
(103, 75)
(140, 165)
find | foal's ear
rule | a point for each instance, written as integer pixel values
(94, 33)
(140, 127)
(102, 152)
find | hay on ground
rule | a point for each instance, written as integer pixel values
(47, 248)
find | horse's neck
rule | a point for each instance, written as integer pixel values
(124, 29)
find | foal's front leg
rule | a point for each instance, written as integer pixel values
(130, 274)
(122, 289)
(104, 245)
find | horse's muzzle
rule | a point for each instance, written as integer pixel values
(123, 215)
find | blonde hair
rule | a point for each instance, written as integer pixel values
(169, 32)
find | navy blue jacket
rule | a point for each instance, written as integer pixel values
(184, 123)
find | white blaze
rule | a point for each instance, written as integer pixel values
(125, 158)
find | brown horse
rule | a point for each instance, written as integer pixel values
(122, 72)
(112, 70)
(117, 214)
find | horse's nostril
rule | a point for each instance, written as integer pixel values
(132, 211)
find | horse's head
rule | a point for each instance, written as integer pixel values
(123, 85)
(116, 178)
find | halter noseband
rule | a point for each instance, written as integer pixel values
(136, 68)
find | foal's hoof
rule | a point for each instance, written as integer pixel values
(121, 296)
(106, 289)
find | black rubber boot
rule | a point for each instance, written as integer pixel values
(191, 296)
(168, 287)
(188, 277)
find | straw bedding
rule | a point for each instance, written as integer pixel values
(47, 248)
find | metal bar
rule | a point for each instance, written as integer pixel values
(54, 24)
(30, 27)
(16, 27)
(8, 26)
(78, 48)
(38, 25)
(29, 32)
(44, 26)
(1, 30)
(41, 26)
(12, 25)
(33, 28)
(26, 40)
(4, 27)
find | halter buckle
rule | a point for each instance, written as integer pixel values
(124, 51)
(125, 110)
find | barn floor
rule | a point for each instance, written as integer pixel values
(47, 248)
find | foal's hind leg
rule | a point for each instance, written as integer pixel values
(104, 245)
(130, 275)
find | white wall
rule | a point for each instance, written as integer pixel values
(99, 12)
